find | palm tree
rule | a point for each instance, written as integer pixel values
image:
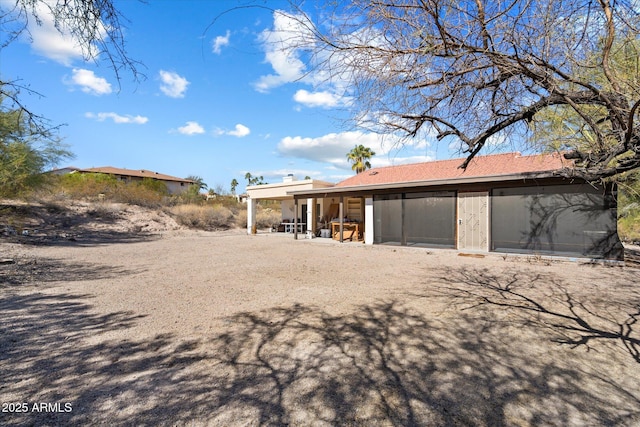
(198, 182)
(234, 184)
(360, 156)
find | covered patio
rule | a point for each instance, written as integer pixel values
(298, 215)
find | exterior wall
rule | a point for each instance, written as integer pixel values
(176, 187)
(280, 190)
(288, 209)
(572, 220)
(415, 219)
(564, 220)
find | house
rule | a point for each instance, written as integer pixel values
(174, 185)
(506, 203)
(63, 171)
(291, 212)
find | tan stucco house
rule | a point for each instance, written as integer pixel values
(500, 203)
(174, 184)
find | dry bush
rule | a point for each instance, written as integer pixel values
(137, 194)
(229, 202)
(203, 217)
(102, 187)
(268, 218)
(241, 219)
(265, 218)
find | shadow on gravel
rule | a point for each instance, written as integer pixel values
(25, 271)
(485, 360)
(543, 302)
(54, 225)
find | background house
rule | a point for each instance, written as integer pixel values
(174, 184)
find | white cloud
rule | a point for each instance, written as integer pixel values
(173, 85)
(240, 131)
(283, 46)
(51, 42)
(219, 42)
(89, 82)
(333, 148)
(117, 118)
(317, 99)
(191, 128)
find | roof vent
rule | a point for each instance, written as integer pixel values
(373, 173)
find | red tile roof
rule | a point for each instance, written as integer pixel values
(480, 166)
(139, 173)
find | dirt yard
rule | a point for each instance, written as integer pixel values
(224, 329)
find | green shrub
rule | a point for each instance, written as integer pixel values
(98, 186)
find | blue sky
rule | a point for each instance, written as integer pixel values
(218, 100)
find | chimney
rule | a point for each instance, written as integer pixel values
(289, 178)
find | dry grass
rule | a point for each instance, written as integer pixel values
(266, 218)
(214, 217)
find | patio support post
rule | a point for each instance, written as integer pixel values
(251, 215)
(311, 216)
(368, 221)
(295, 219)
(341, 217)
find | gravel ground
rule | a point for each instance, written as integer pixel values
(221, 328)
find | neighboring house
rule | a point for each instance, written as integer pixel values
(64, 171)
(500, 203)
(174, 185)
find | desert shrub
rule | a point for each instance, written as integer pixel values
(265, 218)
(155, 185)
(629, 208)
(139, 194)
(98, 186)
(241, 219)
(629, 227)
(203, 217)
(88, 186)
(229, 202)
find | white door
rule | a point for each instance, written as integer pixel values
(473, 221)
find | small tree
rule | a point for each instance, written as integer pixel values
(359, 157)
(25, 151)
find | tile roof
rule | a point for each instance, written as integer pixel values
(480, 166)
(139, 173)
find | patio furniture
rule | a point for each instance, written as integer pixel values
(350, 231)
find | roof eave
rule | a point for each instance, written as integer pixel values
(425, 183)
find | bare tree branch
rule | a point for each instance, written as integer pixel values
(482, 70)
